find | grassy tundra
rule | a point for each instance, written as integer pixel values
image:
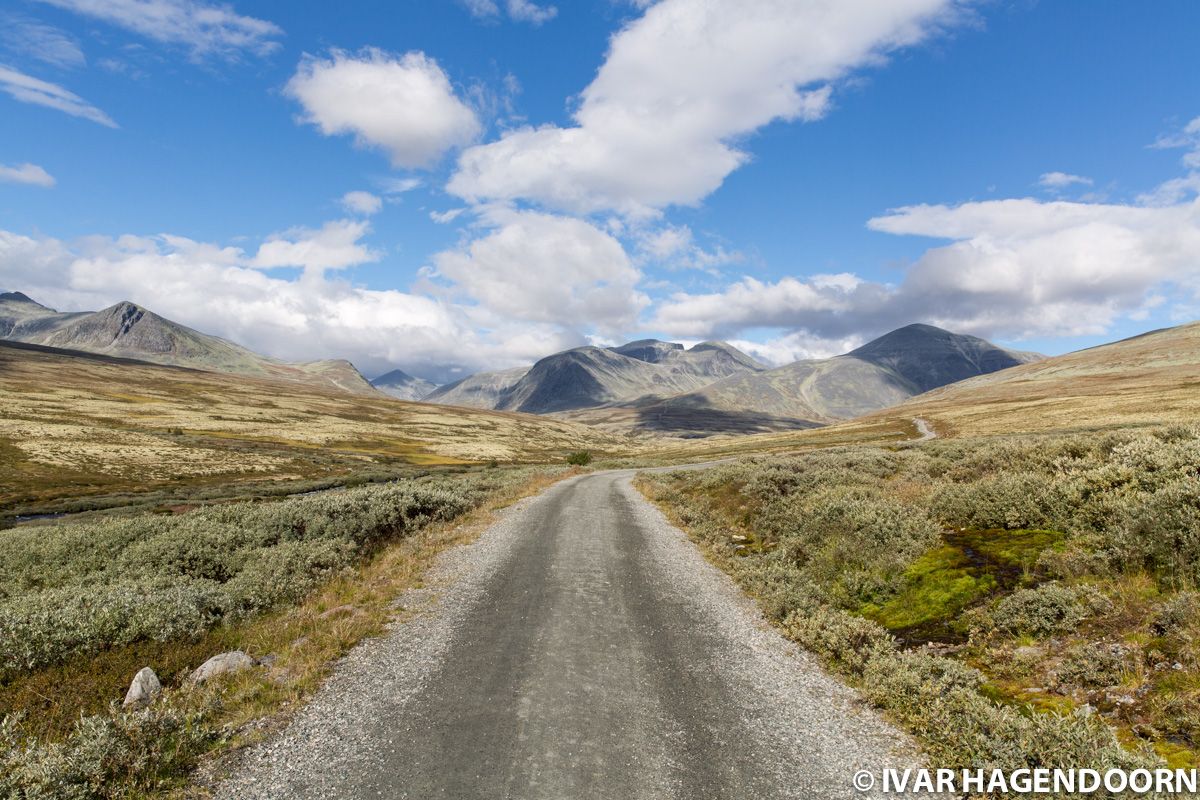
(1015, 601)
(294, 583)
(80, 431)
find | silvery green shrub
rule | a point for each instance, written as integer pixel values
(1042, 610)
(74, 588)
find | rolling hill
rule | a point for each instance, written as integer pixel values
(1147, 379)
(126, 330)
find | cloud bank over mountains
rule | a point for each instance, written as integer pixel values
(566, 228)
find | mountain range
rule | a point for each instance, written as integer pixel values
(127, 330)
(712, 387)
(646, 385)
(884, 372)
(586, 377)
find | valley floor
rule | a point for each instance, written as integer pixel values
(582, 647)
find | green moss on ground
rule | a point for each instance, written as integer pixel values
(969, 567)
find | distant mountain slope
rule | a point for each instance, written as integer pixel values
(882, 373)
(586, 377)
(402, 386)
(930, 357)
(1151, 378)
(127, 330)
(820, 390)
(481, 390)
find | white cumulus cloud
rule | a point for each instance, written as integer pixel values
(660, 123)
(404, 104)
(1062, 180)
(336, 245)
(360, 202)
(545, 268)
(525, 11)
(26, 173)
(520, 10)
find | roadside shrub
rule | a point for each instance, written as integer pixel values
(1043, 610)
(580, 458)
(1161, 534)
(1093, 665)
(109, 755)
(1179, 613)
(851, 642)
(942, 701)
(74, 588)
(853, 542)
(1009, 500)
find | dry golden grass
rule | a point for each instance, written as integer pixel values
(73, 425)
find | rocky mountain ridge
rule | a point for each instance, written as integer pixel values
(402, 386)
(587, 377)
(127, 330)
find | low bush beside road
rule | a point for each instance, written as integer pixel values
(1021, 601)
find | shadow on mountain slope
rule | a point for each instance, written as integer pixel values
(698, 418)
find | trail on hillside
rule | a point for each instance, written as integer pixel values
(924, 429)
(581, 648)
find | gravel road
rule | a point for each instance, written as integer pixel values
(581, 648)
(924, 431)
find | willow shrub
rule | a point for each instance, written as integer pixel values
(76, 588)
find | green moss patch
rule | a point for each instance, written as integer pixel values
(968, 567)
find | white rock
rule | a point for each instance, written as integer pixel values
(223, 664)
(144, 688)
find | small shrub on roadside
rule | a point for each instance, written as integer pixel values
(110, 755)
(1177, 614)
(1043, 610)
(580, 458)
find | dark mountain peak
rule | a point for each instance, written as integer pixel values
(651, 351)
(929, 356)
(19, 297)
(395, 376)
(907, 336)
(124, 308)
(729, 350)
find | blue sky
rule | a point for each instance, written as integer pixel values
(791, 179)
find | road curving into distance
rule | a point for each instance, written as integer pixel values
(581, 648)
